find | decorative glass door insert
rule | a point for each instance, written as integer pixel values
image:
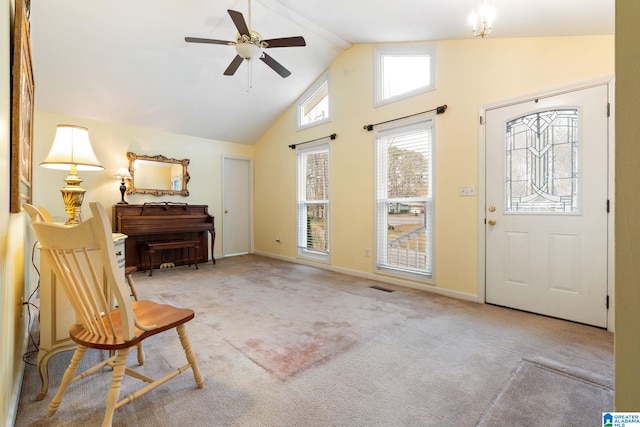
(542, 163)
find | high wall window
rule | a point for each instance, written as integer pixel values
(313, 106)
(313, 202)
(404, 199)
(402, 71)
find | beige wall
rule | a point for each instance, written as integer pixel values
(627, 246)
(111, 143)
(469, 73)
(13, 229)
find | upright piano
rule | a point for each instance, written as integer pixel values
(163, 222)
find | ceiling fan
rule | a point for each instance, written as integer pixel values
(250, 45)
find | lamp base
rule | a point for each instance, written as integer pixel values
(123, 188)
(73, 195)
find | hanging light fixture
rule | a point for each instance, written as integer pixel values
(249, 47)
(482, 21)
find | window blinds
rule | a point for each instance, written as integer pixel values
(313, 199)
(404, 197)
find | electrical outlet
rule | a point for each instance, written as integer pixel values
(367, 252)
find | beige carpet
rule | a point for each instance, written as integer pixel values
(526, 401)
(282, 344)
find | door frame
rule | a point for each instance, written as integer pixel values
(225, 191)
(482, 255)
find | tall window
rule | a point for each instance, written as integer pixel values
(313, 202)
(404, 198)
(402, 71)
(313, 106)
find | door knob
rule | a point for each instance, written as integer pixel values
(491, 221)
(226, 211)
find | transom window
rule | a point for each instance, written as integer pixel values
(402, 71)
(313, 106)
(542, 162)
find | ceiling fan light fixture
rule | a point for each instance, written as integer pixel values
(248, 51)
(250, 45)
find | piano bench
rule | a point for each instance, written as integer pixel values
(149, 248)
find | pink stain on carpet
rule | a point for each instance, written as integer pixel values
(286, 331)
(291, 358)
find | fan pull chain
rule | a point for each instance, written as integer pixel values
(249, 75)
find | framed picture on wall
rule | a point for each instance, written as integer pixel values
(22, 93)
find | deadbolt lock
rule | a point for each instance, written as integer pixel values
(492, 208)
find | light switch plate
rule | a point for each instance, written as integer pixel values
(467, 190)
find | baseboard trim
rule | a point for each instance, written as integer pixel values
(17, 386)
(377, 277)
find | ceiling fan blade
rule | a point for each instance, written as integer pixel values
(239, 22)
(286, 42)
(233, 67)
(275, 65)
(211, 41)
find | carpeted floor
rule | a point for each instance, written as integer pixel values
(283, 344)
(526, 397)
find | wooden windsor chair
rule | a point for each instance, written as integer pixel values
(71, 251)
(41, 214)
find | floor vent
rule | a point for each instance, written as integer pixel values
(380, 288)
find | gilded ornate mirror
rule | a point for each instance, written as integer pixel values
(157, 175)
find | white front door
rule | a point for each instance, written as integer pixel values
(546, 205)
(237, 214)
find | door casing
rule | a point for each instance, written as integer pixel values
(482, 255)
(230, 221)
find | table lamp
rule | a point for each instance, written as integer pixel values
(72, 150)
(123, 173)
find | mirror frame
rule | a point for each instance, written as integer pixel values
(157, 192)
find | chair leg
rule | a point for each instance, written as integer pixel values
(66, 379)
(128, 272)
(116, 382)
(191, 357)
(140, 354)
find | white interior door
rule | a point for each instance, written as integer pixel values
(237, 194)
(546, 206)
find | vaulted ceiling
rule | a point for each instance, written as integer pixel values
(127, 62)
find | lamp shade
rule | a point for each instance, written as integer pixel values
(71, 147)
(123, 173)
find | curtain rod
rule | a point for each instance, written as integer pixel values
(439, 110)
(332, 136)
